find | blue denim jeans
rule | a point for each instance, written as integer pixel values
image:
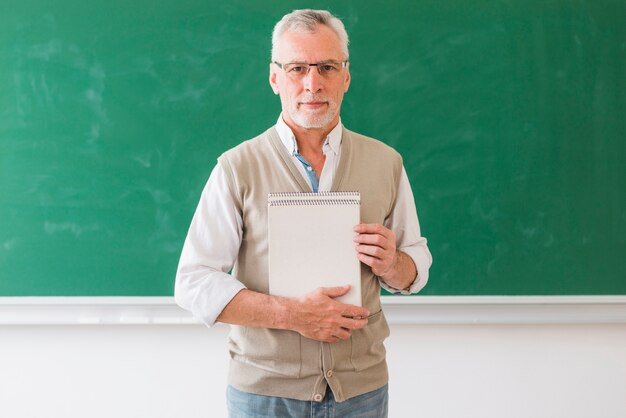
(248, 405)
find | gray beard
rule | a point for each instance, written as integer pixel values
(319, 122)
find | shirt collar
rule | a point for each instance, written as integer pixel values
(332, 143)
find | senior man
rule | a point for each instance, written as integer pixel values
(297, 357)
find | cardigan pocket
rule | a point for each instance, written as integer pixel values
(271, 350)
(368, 349)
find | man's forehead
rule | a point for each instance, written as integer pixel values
(321, 44)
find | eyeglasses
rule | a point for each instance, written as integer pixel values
(298, 70)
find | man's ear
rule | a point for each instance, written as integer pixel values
(273, 83)
(347, 80)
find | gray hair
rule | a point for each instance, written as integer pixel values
(307, 20)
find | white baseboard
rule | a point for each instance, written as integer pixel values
(399, 310)
(505, 309)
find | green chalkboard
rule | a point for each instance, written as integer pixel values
(510, 115)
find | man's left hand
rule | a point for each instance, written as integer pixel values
(376, 247)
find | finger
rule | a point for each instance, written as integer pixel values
(342, 333)
(353, 311)
(352, 324)
(372, 229)
(334, 292)
(378, 266)
(373, 239)
(372, 250)
(373, 262)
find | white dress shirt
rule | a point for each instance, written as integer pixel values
(204, 285)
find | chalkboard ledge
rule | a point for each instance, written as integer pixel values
(399, 310)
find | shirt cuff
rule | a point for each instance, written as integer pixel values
(210, 303)
(422, 264)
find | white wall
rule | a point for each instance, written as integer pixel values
(166, 371)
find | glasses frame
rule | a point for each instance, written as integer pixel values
(280, 65)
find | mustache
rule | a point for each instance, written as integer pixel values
(313, 98)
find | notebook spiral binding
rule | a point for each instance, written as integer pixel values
(305, 195)
(314, 199)
(309, 202)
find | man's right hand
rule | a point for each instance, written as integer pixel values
(320, 317)
(317, 315)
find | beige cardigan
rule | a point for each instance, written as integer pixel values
(284, 363)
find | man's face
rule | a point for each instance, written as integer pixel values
(312, 101)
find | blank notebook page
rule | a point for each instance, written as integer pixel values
(311, 243)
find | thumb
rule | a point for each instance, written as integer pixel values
(335, 292)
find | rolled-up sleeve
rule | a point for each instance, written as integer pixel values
(203, 283)
(403, 221)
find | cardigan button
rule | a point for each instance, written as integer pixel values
(329, 374)
(318, 397)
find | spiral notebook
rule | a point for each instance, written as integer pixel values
(311, 243)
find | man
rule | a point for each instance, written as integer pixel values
(295, 357)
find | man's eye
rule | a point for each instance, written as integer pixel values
(328, 68)
(297, 69)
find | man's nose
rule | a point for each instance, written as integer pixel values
(313, 80)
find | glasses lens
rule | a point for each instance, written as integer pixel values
(298, 70)
(329, 69)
